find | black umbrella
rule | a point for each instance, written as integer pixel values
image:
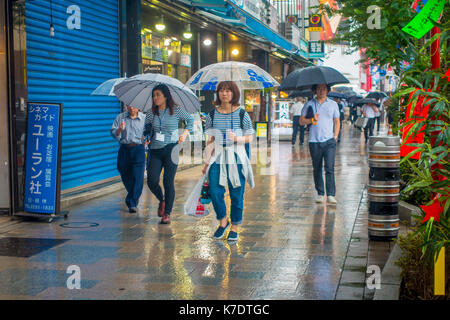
(307, 77)
(301, 93)
(354, 98)
(366, 101)
(376, 95)
(334, 94)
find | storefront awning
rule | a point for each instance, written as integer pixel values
(233, 16)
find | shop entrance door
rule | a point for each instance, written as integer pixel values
(4, 115)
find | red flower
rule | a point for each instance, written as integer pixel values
(434, 210)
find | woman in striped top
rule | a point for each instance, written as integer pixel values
(162, 125)
(227, 162)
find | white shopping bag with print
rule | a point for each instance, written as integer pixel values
(193, 206)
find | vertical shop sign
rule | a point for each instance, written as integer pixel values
(316, 49)
(42, 167)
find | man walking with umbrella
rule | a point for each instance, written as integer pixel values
(128, 129)
(323, 114)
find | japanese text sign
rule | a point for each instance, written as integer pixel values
(42, 156)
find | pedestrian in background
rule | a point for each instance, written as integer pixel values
(227, 162)
(322, 139)
(369, 111)
(296, 111)
(377, 119)
(341, 116)
(128, 129)
(162, 125)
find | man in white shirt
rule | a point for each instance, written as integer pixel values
(296, 111)
(323, 135)
(369, 111)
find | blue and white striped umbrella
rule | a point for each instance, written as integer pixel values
(136, 91)
(107, 87)
(246, 76)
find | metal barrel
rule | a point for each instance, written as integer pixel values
(383, 191)
(384, 152)
(383, 187)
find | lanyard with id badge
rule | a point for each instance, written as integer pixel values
(160, 135)
(225, 135)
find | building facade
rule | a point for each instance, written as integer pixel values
(54, 51)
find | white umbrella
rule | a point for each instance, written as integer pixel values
(107, 87)
(246, 76)
(136, 91)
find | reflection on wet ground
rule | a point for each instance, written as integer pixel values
(289, 246)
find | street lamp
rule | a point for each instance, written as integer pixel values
(160, 26)
(188, 34)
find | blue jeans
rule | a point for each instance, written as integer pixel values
(131, 166)
(320, 152)
(217, 194)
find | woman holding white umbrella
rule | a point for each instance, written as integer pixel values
(169, 101)
(227, 162)
(163, 122)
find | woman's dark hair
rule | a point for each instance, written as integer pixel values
(230, 85)
(166, 93)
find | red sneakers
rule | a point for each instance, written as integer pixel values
(162, 206)
(165, 219)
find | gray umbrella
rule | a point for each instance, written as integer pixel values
(137, 92)
(307, 77)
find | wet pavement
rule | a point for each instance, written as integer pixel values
(289, 246)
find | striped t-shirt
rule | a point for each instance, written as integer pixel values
(224, 122)
(167, 125)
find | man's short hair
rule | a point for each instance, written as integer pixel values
(314, 88)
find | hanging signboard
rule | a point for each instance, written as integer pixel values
(43, 158)
(316, 49)
(315, 23)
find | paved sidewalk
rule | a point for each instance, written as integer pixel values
(289, 246)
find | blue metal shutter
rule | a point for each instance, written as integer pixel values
(65, 69)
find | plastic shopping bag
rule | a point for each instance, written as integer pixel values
(361, 123)
(193, 205)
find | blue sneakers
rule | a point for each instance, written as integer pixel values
(233, 236)
(220, 232)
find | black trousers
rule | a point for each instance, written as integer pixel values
(377, 120)
(324, 152)
(157, 160)
(368, 130)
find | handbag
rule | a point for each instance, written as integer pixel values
(361, 123)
